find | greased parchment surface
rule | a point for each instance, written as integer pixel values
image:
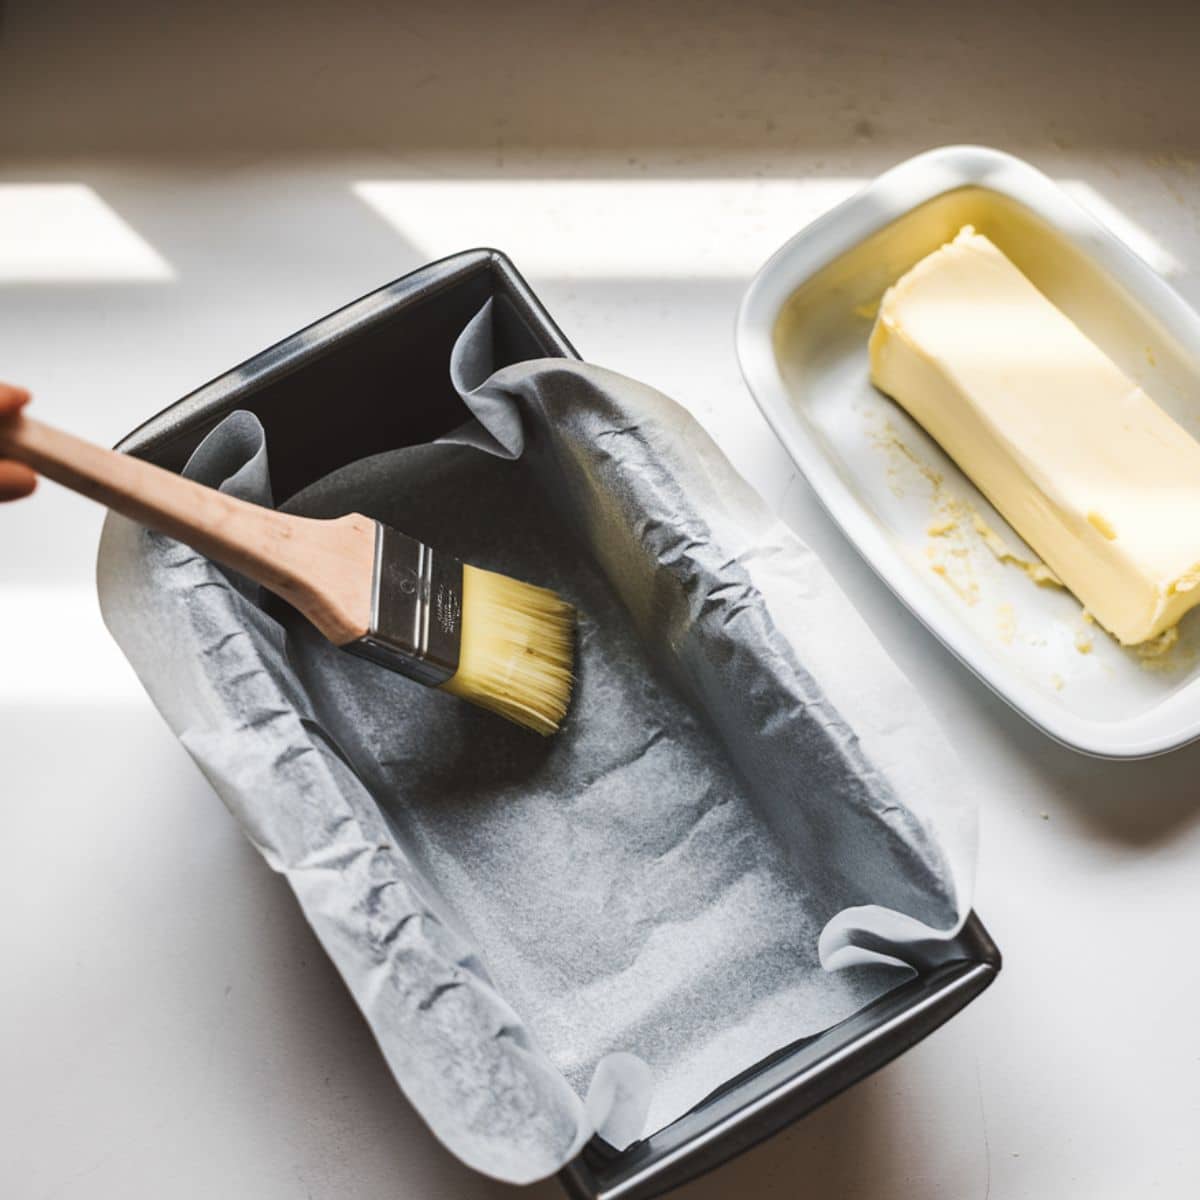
(591, 932)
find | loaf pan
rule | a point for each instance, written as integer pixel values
(324, 399)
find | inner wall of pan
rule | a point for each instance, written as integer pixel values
(889, 464)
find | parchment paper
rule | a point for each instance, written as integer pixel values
(590, 932)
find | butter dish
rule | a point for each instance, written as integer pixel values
(922, 525)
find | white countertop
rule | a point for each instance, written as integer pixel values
(168, 1025)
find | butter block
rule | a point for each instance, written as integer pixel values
(1093, 474)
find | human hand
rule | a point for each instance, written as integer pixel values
(16, 479)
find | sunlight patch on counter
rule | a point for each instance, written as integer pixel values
(65, 233)
(608, 228)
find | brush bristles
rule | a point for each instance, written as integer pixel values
(517, 650)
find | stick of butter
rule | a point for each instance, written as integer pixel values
(1097, 478)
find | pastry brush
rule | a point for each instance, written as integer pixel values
(492, 640)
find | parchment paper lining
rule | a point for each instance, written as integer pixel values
(595, 931)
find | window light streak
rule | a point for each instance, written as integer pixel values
(65, 233)
(608, 228)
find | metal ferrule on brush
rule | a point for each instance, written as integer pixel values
(416, 609)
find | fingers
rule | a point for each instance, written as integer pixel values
(16, 480)
(12, 398)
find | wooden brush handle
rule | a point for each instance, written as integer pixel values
(322, 568)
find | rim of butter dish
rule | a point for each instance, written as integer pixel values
(954, 177)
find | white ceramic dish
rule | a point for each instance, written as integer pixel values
(802, 342)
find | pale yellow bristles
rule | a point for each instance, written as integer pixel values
(517, 650)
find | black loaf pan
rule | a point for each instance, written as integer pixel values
(326, 397)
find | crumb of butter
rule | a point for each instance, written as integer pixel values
(888, 439)
(1033, 567)
(967, 590)
(952, 517)
(1058, 681)
(1083, 642)
(1155, 648)
(1006, 623)
(1166, 654)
